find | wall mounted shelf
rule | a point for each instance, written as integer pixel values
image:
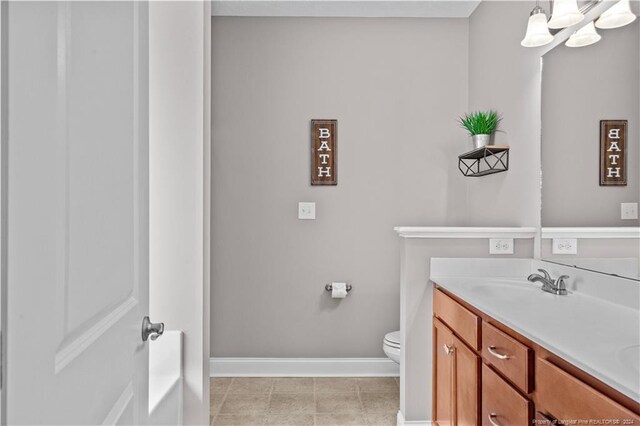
(484, 161)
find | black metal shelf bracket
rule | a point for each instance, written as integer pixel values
(484, 161)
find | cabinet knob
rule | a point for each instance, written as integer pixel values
(447, 349)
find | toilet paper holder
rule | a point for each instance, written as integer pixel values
(329, 287)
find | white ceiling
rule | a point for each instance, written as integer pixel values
(346, 8)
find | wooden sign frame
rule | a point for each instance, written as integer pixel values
(324, 152)
(613, 152)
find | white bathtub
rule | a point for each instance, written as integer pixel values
(165, 379)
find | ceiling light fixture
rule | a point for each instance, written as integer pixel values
(537, 30)
(585, 36)
(566, 14)
(616, 16)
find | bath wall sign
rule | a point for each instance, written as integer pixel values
(613, 152)
(324, 152)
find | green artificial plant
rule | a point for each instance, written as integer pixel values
(481, 122)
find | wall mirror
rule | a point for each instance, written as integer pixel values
(580, 87)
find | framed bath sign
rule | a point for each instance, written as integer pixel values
(613, 152)
(324, 152)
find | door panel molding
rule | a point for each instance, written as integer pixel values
(67, 352)
(62, 169)
(120, 406)
(74, 340)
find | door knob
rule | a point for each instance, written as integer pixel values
(149, 328)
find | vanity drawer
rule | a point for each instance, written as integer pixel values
(502, 404)
(567, 398)
(507, 355)
(462, 321)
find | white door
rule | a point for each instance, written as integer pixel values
(77, 222)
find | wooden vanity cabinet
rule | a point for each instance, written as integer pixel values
(484, 373)
(456, 375)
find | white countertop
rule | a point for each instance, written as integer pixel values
(598, 336)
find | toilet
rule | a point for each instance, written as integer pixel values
(391, 346)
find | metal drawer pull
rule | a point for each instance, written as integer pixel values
(447, 349)
(492, 351)
(491, 417)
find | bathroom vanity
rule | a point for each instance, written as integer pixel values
(506, 353)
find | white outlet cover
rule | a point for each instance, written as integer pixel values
(628, 211)
(564, 246)
(307, 211)
(501, 246)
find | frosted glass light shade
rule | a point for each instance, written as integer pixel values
(565, 14)
(537, 31)
(584, 36)
(616, 16)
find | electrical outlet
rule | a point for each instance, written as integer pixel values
(564, 246)
(501, 246)
(307, 211)
(628, 211)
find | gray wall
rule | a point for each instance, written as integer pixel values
(396, 87)
(580, 87)
(505, 76)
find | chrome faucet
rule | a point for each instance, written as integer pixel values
(548, 284)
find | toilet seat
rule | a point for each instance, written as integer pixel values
(392, 339)
(391, 346)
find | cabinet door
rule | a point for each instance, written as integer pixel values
(467, 384)
(443, 383)
(456, 379)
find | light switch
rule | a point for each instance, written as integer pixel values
(307, 211)
(628, 211)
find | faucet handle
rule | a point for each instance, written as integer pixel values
(560, 281)
(561, 286)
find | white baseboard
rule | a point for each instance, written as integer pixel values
(402, 422)
(303, 367)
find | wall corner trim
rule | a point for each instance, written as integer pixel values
(402, 422)
(303, 367)
(464, 232)
(592, 232)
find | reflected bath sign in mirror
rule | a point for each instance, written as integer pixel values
(324, 152)
(613, 150)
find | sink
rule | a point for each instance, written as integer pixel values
(630, 357)
(510, 292)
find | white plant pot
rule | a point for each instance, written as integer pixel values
(481, 140)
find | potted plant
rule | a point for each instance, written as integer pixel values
(481, 126)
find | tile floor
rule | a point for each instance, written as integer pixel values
(304, 401)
